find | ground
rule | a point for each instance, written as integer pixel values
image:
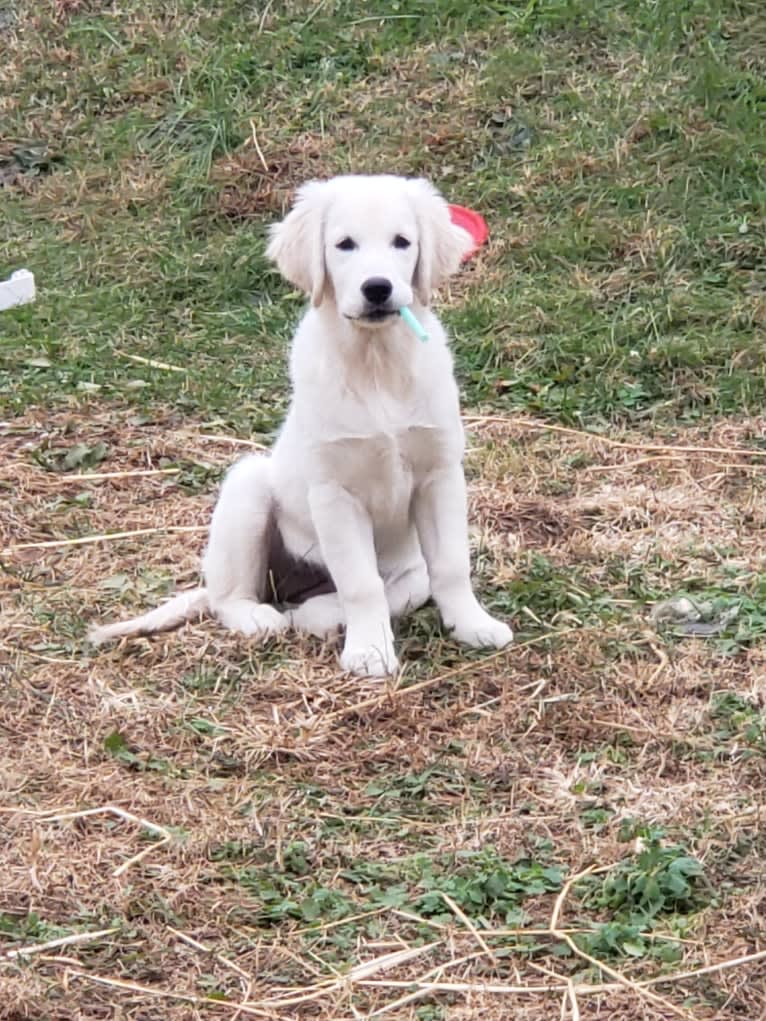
(194, 826)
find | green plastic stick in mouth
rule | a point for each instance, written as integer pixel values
(409, 317)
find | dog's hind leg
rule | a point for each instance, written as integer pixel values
(321, 616)
(236, 561)
(408, 589)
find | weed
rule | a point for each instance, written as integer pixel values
(292, 893)
(661, 880)
(117, 745)
(79, 457)
(658, 886)
(486, 886)
(738, 719)
(193, 476)
(29, 927)
(418, 785)
(618, 939)
(596, 818)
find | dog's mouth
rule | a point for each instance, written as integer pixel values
(374, 315)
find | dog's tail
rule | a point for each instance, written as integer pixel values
(183, 607)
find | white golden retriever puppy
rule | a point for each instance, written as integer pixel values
(358, 514)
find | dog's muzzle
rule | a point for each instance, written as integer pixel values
(377, 292)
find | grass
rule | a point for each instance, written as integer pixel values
(290, 828)
(616, 149)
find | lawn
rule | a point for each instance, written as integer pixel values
(197, 827)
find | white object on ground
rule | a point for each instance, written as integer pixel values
(19, 289)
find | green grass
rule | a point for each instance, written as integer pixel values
(616, 150)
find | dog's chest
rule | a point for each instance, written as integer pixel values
(382, 469)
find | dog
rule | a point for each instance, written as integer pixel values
(358, 515)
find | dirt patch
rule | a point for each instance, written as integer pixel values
(536, 523)
(252, 184)
(66, 9)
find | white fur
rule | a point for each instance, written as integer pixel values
(366, 475)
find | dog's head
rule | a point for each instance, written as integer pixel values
(371, 244)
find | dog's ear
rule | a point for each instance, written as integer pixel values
(442, 243)
(296, 244)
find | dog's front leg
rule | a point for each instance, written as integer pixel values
(344, 529)
(441, 519)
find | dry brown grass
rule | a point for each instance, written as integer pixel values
(289, 746)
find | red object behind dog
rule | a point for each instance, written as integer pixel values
(473, 223)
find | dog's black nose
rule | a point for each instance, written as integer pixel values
(377, 290)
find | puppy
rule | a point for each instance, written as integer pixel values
(358, 514)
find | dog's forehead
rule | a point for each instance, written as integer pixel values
(374, 208)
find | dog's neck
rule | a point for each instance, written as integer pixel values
(368, 359)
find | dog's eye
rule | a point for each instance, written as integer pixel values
(400, 241)
(346, 245)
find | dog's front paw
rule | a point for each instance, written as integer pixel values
(481, 631)
(369, 662)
